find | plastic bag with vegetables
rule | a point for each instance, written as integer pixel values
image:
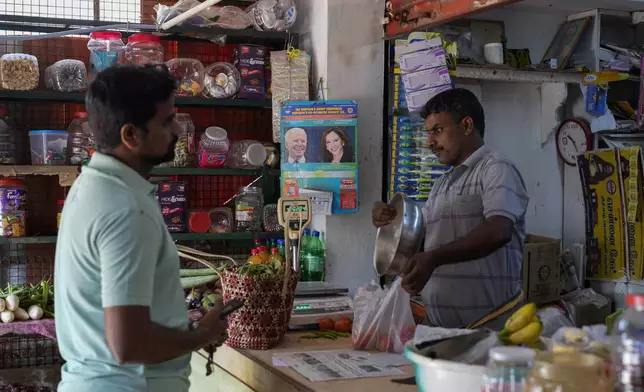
(382, 319)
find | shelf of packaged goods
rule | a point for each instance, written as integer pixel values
(243, 236)
(194, 171)
(67, 174)
(55, 25)
(79, 98)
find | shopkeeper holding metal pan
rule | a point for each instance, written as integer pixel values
(469, 274)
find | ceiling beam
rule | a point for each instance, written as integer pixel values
(405, 16)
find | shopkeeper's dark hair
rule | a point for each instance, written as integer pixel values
(459, 103)
(123, 95)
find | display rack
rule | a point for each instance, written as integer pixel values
(30, 259)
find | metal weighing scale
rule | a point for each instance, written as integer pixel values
(313, 300)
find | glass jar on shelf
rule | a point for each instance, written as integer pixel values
(67, 76)
(213, 147)
(189, 74)
(8, 150)
(248, 209)
(80, 139)
(184, 151)
(19, 72)
(144, 48)
(246, 154)
(106, 49)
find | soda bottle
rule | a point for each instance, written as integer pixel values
(628, 346)
(312, 261)
(280, 246)
(275, 256)
(254, 257)
(263, 253)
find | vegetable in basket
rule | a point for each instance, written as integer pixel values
(38, 299)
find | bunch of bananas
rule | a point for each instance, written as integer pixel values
(524, 327)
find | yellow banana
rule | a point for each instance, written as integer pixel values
(520, 319)
(527, 335)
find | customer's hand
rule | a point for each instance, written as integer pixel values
(212, 326)
(382, 214)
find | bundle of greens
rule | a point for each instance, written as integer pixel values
(37, 299)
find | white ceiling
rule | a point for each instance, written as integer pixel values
(574, 6)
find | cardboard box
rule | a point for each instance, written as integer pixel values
(541, 259)
(631, 181)
(604, 214)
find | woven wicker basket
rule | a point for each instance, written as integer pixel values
(268, 300)
(261, 323)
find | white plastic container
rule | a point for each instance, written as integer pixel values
(493, 53)
(19, 71)
(48, 147)
(434, 375)
(213, 147)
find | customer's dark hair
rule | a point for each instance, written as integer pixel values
(123, 95)
(459, 103)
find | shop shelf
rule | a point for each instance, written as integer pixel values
(53, 25)
(196, 171)
(516, 75)
(56, 96)
(176, 236)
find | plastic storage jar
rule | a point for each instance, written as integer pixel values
(67, 76)
(248, 209)
(13, 208)
(222, 80)
(190, 74)
(567, 372)
(80, 140)
(246, 154)
(106, 49)
(48, 147)
(507, 368)
(213, 147)
(19, 71)
(8, 151)
(143, 49)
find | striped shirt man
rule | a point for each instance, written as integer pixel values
(484, 185)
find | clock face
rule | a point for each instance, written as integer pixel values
(573, 139)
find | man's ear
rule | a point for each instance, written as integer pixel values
(130, 136)
(468, 125)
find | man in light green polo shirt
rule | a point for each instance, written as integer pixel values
(121, 319)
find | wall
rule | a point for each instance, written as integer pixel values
(348, 35)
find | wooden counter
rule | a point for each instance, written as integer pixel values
(240, 370)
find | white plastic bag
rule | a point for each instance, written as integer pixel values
(382, 319)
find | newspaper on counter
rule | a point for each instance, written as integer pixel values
(336, 365)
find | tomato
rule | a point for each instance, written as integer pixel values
(343, 325)
(407, 333)
(327, 324)
(345, 318)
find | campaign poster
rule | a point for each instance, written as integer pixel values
(320, 150)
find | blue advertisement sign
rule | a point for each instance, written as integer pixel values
(320, 150)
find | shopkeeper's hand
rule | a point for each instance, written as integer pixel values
(382, 214)
(417, 272)
(212, 326)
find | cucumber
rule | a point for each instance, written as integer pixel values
(196, 281)
(190, 272)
